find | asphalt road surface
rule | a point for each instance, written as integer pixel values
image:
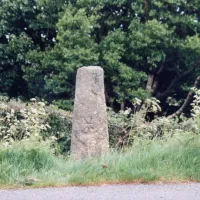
(108, 192)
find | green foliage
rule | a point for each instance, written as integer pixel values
(149, 42)
(37, 122)
(125, 80)
(12, 56)
(191, 51)
(163, 128)
(64, 104)
(24, 25)
(34, 122)
(119, 127)
(74, 49)
(124, 128)
(22, 122)
(147, 48)
(61, 129)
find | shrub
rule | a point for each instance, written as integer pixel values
(25, 121)
(34, 121)
(20, 121)
(60, 122)
(119, 127)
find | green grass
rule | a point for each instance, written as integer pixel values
(177, 159)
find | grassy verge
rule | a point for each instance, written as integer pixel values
(177, 159)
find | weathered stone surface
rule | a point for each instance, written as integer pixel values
(89, 128)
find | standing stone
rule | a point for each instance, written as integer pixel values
(89, 128)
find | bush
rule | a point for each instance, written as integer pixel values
(20, 121)
(119, 127)
(34, 120)
(60, 122)
(23, 121)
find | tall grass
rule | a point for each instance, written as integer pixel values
(175, 159)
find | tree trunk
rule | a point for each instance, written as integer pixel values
(140, 117)
(151, 87)
(150, 82)
(186, 102)
(123, 104)
(147, 9)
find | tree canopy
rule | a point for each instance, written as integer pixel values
(147, 49)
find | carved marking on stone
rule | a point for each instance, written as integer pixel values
(88, 125)
(80, 139)
(88, 120)
(96, 77)
(97, 84)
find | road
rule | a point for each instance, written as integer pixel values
(108, 192)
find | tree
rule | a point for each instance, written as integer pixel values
(24, 25)
(147, 48)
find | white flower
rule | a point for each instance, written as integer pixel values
(6, 143)
(126, 112)
(41, 104)
(47, 125)
(33, 110)
(53, 138)
(33, 99)
(43, 36)
(27, 133)
(7, 37)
